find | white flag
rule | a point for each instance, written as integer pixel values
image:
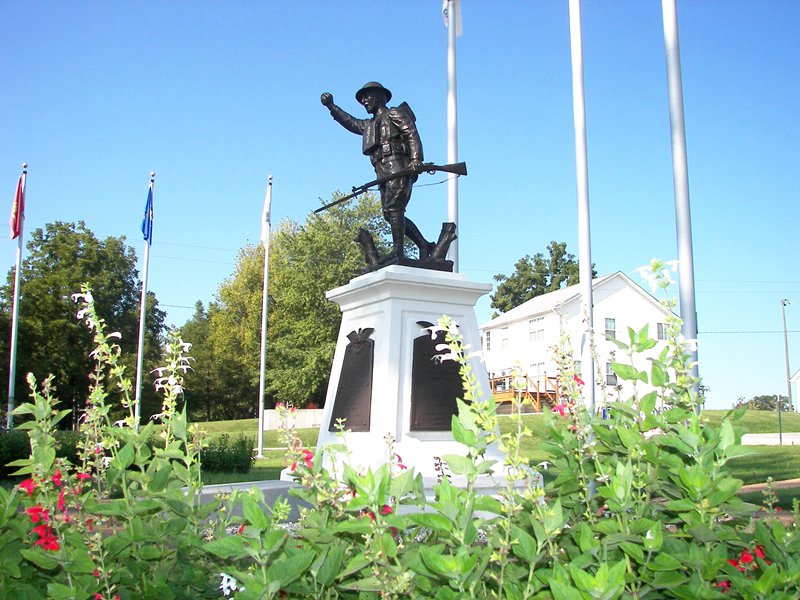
(457, 8)
(265, 214)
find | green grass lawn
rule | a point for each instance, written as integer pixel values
(778, 462)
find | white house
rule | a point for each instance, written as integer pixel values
(524, 337)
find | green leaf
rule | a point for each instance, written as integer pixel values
(124, 458)
(460, 465)
(228, 547)
(633, 550)
(289, 569)
(330, 567)
(253, 513)
(59, 591)
(434, 521)
(628, 372)
(526, 547)
(665, 562)
(39, 558)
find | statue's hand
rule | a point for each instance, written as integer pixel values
(326, 99)
(416, 165)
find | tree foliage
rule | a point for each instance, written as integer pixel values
(60, 258)
(766, 402)
(537, 275)
(305, 261)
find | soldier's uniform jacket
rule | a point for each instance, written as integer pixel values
(390, 135)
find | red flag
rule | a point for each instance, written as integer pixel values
(18, 209)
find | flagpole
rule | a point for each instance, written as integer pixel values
(12, 367)
(143, 305)
(265, 225)
(582, 176)
(680, 177)
(452, 124)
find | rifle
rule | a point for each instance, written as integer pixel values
(456, 168)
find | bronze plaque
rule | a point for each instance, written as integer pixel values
(435, 385)
(354, 394)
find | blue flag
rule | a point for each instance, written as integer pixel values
(147, 221)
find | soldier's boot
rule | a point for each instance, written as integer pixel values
(415, 235)
(397, 222)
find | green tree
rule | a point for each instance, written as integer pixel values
(766, 402)
(201, 386)
(58, 260)
(306, 260)
(537, 275)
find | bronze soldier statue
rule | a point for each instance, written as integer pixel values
(391, 141)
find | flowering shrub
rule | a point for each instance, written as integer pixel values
(640, 506)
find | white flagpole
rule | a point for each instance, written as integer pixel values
(680, 177)
(265, 225)
(453, 8)
(12, 367)
(582, 175)
(142, 312)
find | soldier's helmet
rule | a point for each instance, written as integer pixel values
(372, 85)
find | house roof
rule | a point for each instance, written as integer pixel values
(554, 300)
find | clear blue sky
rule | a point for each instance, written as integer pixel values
(214, 96)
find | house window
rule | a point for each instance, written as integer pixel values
(611, 328)
(661, 331)
(487, 339)
(536, 330)
(611, 377)
(504, 340)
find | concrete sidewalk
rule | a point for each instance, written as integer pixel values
(770, 439)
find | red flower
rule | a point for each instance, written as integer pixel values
(760, 552)
(37, 513)
(57, 478)
(725, 585)
(61, 505)
(386, 510)
(400, 462)
(47, 539)
(578, 380)
(561, 409)
(736, 564)
(745, 557)
(83, 476)
(778, 509)
(98, 596)
(96, 573)
(89, 522)
(28, 485)
(240, 531)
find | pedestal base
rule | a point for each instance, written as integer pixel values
(386, 378)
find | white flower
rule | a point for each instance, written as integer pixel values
(228, 584)
(120, 423)
(544, 465)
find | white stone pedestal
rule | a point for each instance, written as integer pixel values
(391, 302)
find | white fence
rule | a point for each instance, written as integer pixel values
(302, 418)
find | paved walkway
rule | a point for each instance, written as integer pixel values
(770, 439)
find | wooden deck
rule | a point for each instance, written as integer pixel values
(534, 396)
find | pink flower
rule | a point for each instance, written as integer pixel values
(28, 485)
(57, 478)
(96, 573)
(386, 510)
(578, 380)
(561, 409)
(307, 457)
(400, 462)
(725, 585)
(83, 476)
(61, 504)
